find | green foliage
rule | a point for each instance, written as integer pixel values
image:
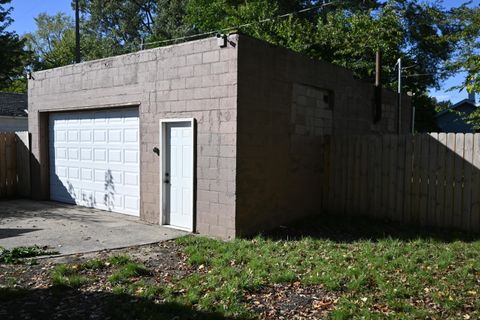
(472, 119)
(131, 269)
(94, 264)
(53, 42)
(121, 24)
(403, 274)
(19, 254)
(425, 110)
(433, 42)
(68, 276)
(119, 260)
(139, 288)
(351, 40)
(13, 57)
(169, 21)
(347, 34)
(466, 19)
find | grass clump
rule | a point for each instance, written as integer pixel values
(139, 288)
(127, 271)
(94, 264)
(119, 260)
(20, 254)
(68, 276)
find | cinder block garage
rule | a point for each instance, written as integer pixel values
(222, 141)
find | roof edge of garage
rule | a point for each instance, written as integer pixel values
(92, 106)
(106, 59)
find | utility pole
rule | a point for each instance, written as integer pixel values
(78, 57)
(399, 101)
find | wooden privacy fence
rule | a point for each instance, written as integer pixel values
(427, 179)
(14, 165)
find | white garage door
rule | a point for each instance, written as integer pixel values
(94, 159)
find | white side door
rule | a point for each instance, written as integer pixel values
(178, 174)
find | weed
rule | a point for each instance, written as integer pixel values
(119, 260)
(68, 276)
(139, 288)
(127, 271)
(94, 264)
(19, 254)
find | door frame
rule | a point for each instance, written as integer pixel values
(163, 164)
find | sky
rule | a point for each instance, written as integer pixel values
(26, 10)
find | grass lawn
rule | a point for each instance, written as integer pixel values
(375, 270)
(346, 269)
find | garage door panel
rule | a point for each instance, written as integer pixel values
(95, 159)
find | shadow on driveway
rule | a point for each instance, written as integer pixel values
(71, 229)
(9, 233)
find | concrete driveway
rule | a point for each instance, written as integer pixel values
(71, 229)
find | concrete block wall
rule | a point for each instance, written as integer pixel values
(191, 80)
(287, 104)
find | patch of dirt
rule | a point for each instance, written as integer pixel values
(291, 301)
(35, 298)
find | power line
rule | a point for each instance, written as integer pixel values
(199, 35)
(433, 74)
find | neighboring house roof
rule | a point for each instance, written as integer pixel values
(464, 102)
(13, 104)
(452, 119)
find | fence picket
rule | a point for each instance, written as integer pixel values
(458, 181)
(408, 184)
(377, 169)
(364, 184)
(14, 165)
(440, 195)
(475, 206)
(424, 177)
(400, 177)
(393, 159)
(467, 183)
(431, 179)
(3, 166)
(449, 179)
(416, 179)
(11, 152)
(432, 167)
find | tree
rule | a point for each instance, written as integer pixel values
(13, 57)
(348, 33)
(467, 56)
(53, 42)
(123, 24)
(169, 21)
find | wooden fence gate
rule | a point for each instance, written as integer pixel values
(14, 165)
(427, 179)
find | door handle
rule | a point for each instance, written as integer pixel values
(166, 181)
